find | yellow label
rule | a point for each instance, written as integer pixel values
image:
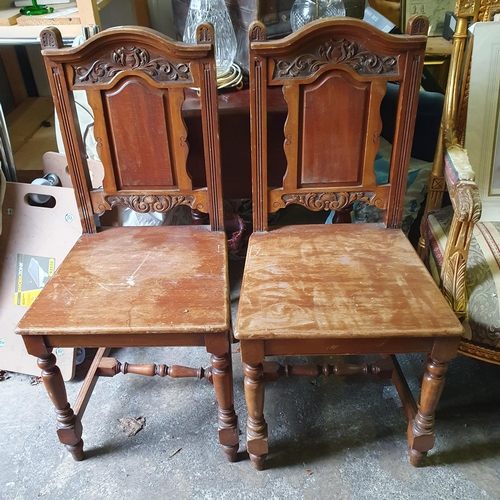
(26, 298)
(52, 267)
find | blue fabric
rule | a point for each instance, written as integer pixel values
(381, 166)
(429, 111)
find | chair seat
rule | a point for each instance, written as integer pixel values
(482, 278)
(133, 280)
(355, 281)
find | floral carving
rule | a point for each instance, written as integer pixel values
(149, 203)
(454, 282)
(342, 51)
(328, 201)
(132, 58)
(467, 202)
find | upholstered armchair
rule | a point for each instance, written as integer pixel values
(461, 247)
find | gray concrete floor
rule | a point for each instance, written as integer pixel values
(335, 438)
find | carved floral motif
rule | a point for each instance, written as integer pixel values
(342, 51)
(467, 202)
(149, 203)
(454, 282)
(328, 201)
(132, 58)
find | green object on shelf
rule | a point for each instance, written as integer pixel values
(36, 10)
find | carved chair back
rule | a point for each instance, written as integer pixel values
(334, 74)
(135, 80)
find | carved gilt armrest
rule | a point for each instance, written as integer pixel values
(464, 195)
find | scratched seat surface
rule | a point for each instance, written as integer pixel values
(136, 280)
(327, 282)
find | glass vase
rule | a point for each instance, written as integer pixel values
(214, 12)
(305, 11)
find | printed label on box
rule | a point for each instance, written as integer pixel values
(32, 274)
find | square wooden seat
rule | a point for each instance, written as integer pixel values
(356, 282)
(148, 282)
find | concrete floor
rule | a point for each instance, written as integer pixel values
(336, 438)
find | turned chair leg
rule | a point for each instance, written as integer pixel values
(222, 376)
(69, 426)
(421, 428)
(257, 444)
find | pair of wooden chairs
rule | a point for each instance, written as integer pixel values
(307, 290)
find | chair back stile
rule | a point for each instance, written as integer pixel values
(330, 143)
(136, 90)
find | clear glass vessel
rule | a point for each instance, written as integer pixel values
(305, 11)
(214, 12)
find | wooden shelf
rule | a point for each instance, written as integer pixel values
(27, 28)
(69, 22)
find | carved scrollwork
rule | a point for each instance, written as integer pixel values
(464, 7)
(468, 348)
(454, 288)
(149, 203)
(467, 202)
(488, 9)
(328, 201)
(132, 58)
(344, 52)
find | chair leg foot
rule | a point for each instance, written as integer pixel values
(416, 457)
(231, 453)
(76, 451)
(258, 461)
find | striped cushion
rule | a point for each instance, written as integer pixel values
(482, 275)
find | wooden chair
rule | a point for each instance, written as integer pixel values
(312, 290)
(460, 245)
(137, 286)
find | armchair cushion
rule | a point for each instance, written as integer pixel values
(482, 275)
